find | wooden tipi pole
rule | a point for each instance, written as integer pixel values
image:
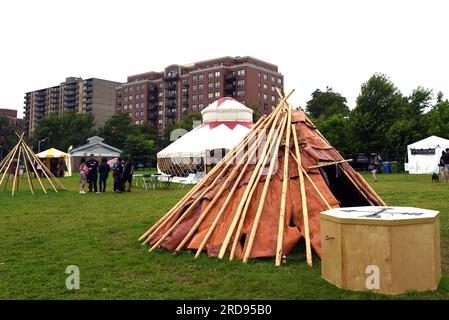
(305, 211)
(264, 192)
(15, 181)
(28, 173)
(285, 183)
(35, 172)
(252, 181)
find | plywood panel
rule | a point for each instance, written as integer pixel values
(331, 249)
(363, 246)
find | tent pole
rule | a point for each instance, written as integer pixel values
(15, 185)
(6, 159)
(305, 211)
(264, 192)
(7, 168)
(35, 172)
(28, 173)
(285, 181)
(313, 183)
(255, 177)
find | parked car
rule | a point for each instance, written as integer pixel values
(360, 162)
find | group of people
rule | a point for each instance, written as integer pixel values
(91, 170)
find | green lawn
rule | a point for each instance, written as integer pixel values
(41, 235)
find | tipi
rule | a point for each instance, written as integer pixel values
(265, 195)
(22, 160)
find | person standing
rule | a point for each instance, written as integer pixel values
(117, 173)
(445, 160)
(92, 177)
(103, 170)
(128, 171)
(84, 171)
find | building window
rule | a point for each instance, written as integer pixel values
(130, 98)
(210, 95)
(141, 96)
(217, 84)
(273, 99)
(194, 97)
(210, 75)
(201, 87)
(142, 113)
(142, 105)
(217, 94)
(201, 106)
(241, 83)
(265, 106)
(125, 99)
(273, 89)
(241, 72)
(217, 74)
(280, 81)
(161, 94)
(161, 112)
(265, 96)
(201, 97)
(160, 121)
(136, 122)
(137, 114)
(241, 93)
(195, 78)
(125, 107)
(130, 107)
(194, 107)
(184, 81)
(273, 79)
(137, 97)
(265, 77)
(161, 103)
(194, 88)
(201, 77)
(210, 85)
(265, 86)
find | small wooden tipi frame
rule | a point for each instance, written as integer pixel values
(22, 154)
(265, 195)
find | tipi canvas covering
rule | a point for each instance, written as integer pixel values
(266, 195)
(424, 155)
(225, 122)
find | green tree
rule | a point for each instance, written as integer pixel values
(116, 129)
(7, 135)
(337, 131)
(437, 119)
(140, 149)
(61, 131)
(378, 107)
(326, 104)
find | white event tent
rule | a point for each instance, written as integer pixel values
(424, 155)
(225, 123)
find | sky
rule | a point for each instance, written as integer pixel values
(315, 43)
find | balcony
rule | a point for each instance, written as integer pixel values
(152, 98)
(185, 102)
(171, 113)
(171, 104)
(185, 93)
(230, 76)
(152, 116)
(172, 95)
(152, 107)
(152, 88)
(171, 77)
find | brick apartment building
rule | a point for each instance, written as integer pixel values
(92, 96)
(161, 98)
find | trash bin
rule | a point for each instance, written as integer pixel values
(387, 167)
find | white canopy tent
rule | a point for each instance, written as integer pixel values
(424, 155)
(225, 123)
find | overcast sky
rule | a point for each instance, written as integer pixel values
(314, 43)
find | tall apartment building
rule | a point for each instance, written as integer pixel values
(161, 98)
(92, 96)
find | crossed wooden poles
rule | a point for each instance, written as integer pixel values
(281, 128)
(22, 153)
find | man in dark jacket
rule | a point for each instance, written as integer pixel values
(103, 170)
(128, 171)
(92, 176)
(117, 173)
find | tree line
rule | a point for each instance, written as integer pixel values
(383, 120)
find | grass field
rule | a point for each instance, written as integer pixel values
(41, 235)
